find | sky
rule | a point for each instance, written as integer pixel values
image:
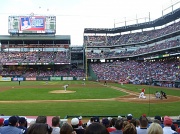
(72, 16)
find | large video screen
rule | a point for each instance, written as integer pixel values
(32, 24)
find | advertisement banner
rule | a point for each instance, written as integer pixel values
(67, 78)
(55, 78)
(18, 79)
(5, 78)
(32, 23)
(31, 79)
(42, 78)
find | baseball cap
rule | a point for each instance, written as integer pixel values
(157, 117)
(6, 122)
(96, 119)
(13, 120)
(119, 117)
(1, 121)
(22, 120)
(80, 117)
(167, 120)
(129, 116)
(105, 121)
(74, 121)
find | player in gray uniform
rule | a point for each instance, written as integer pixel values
(65, 87)
(158, 95)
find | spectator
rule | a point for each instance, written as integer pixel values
(106, 123)
(12, 127)
(129, 117)
(75, 125)
(90, 121)
(167, 126)
(1, 122)
(157, 121)
(130, 129)
(41, 119)
(23, 125)
(66, 129)
(96, 128)
(56, 125)
(133, 121)
(137, 123)
(155, 128)
(118, 126)
(157, 117)
(143, 125)
(6, 122)
(112, 122)
(39, 128)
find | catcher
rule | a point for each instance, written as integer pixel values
(158, 95)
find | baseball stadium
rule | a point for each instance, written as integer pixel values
(42, 74)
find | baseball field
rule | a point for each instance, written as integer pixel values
(33, 98)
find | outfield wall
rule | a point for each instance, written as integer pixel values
(41, 78)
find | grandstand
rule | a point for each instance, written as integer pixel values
(123, 55)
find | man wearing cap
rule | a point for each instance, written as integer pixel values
(157, 117)
(12, 127)
(65, 87)
(167, 126)
(75, 125)
(23, 125)
(129, 117)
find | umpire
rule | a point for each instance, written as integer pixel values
(163, 94)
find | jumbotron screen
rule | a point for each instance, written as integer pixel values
(32, 24)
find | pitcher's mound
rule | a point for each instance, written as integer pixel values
(62, 91)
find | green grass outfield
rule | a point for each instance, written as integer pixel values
(38, 90)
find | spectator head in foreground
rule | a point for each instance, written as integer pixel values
(130, 129)
(67, 129)
(143, 122)
(55, 125)
(41, 119)
(155, 128)
(39, 128)
(13, 121)
(167, 121)
(96, 128)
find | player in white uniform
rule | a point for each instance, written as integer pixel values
(141, 95)
(65, 87)
(84, 81)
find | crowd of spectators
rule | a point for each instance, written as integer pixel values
(130, 38)
(34, 57)
(44, 72)
(139, 51)
(138, 71)
(106, 125)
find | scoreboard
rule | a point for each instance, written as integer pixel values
(32, 24)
